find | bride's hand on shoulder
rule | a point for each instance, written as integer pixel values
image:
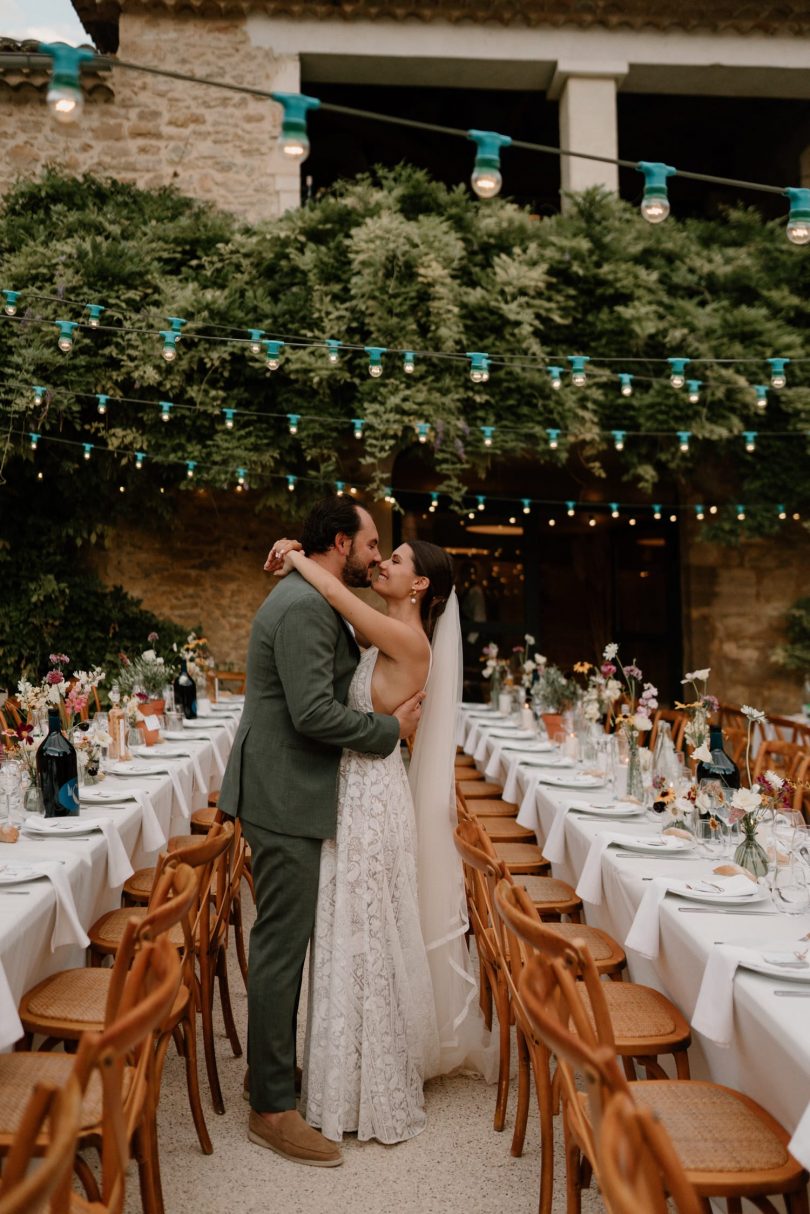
(278, 561)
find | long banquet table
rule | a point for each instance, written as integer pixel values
(27, 912)
(769, 1055)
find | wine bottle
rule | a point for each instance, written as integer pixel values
(185, 692)
(721, 767)
(57, 772)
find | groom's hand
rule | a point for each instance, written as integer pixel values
(409, 714)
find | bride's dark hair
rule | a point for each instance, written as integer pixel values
(436, 565)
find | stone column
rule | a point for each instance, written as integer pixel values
(588, 123)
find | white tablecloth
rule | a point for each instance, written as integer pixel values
(27, 915)
(769, 1057)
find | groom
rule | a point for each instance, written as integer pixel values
(281, 781)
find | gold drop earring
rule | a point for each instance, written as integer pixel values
(413, 597)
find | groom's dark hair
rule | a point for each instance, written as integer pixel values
(326, 520)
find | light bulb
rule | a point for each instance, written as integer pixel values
(422, 431)
(228, 418)
(88, 450)
(190, 466)
(296, 147)
(255, 336)
(481, 501)
(618, 440)
(11, 298)
(591, 521)
(654, 208)
(656, 512)
(762, 396)
(333, 356)
(677, 381)
(165, 408)
(139, 458)
(570, 511)
(798, 231)
(169, 352)
(40, 476)
(375, 370)
(552, 522)
(512, 519)
(750, 440)
(65, 343)
(556, 382)
(102, 404)
(796, 517)
(578, 378)
(273, 364)
(694, 398)
(712, 510)
(34, 441)
(526, 506)
(486, 182)
(778, 381)
(631, 522)
(293, 419)
(408, 363)
(357, 422)
(782, 512)
(673, 518)
(614, 510)
(241, 473)
(471, 514)
(39, 395)
(627, 389)
(740, 514)
(65, 103)
(476, 376)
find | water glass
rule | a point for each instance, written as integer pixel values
(174, 720)
(711, 837)
(790, 890)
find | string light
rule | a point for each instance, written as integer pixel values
(176, 324)
(512, 520)
(478, 366)
(10, 306)
(191, 464)
(614, 509)
(102, 402)
(408, 362)
(333, 350)
(578, 362)
(34, 440)
(570, 508)
(88, 450)
(552, 522)
(422, 431)
(673, 518)
(434, 502)
(778, 377)
(169, 344)
(762, 396)
(294, 140)
(626, 382)
(165, 410)
(553, 439)
(389, 498)
(272, 351)
(94, 315)
(796, 517)
(39, 393)
(678, 366)
(140, 456)
(291, 483)
(358, 424)
(485, 371)
(655, 201)
(340, 487)
(293, 419)
(683, 439)
(712, 510)
(241, 476)
(481, 500)
(750, 437)
(65, 339)
(471, 514)
(527, 508)
(591, 521)
(798, 224)
(693, 390)
(555, 374)
(740, 513)
(486, 176)
(700, 513)
(375, 353)
(781, 512)
(618, 439)
(255, 338)
(656, 511)
(487, 432)
(64, 95)
(229, 415)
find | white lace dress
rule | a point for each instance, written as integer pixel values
(371, 1031)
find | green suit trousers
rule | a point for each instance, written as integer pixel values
(285, 877)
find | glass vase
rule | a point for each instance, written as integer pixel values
(494, 689)
(635, 779)
(752, 856)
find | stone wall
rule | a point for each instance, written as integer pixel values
(734, 605)
(214, 145)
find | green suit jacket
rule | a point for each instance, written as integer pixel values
(283, 768)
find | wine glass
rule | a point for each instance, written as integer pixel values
(11, 785)
(790, 890)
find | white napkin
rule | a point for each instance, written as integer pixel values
(472, 739)
(67, 929)
(152, 835)
(118, 865)
(714, 1011)
(218, 760)
(554, 845)
(643, 934)
(11, 1028)
(481, 749)
(493, 767)
(589, 887)
(179, 792)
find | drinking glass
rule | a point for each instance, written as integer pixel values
(790, 891)
(11, 788)
(711, 837)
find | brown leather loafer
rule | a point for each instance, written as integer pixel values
(292, 1138)
(246, 1083)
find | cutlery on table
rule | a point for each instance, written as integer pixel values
(721, 910)
(15, 893)
(797, 994)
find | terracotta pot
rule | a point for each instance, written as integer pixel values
(153, 708)
(553, 722)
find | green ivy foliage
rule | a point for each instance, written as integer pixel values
(393, 260)
(795, 654)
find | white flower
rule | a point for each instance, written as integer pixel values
(754, 715)
(692, 675)
(149, 655)
(775, 781)
(160, 661)
(702, 753)
(540, 659)
(641, 722)
(610, 651)
(746, 799)
(529, 640)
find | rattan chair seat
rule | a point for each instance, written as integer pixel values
(639, 1012)
(476, 790)
(202, 819)
(491, 807)
(19, 1073)
(522, 857)
(462, 760)
(107, 931)
(506, 830)
(78, 996)
(600, 945)
(549, 889)
(139, 885)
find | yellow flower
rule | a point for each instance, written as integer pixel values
(582, 667)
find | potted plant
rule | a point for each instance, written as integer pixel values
(146, 677)
(553, 694)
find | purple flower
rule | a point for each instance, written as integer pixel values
(58, 659)
(53, 677)
(608, 669)
(632, 672)
(153, 636)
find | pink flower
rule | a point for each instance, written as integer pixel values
(735, 815)
(58, 659)
(142, 696)
(76, 703)
(608, 669)
(53, 677)
(153, 636)
(632, 672)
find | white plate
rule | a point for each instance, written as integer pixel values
(128, 767)
(105, 796)
(177, 735)
(661, 846)
(530, 747)
(512, 733)
(158, 753)
(17, 874)
(783, 973)
(35, 825)
(758, 894)
(203, 723)
(609, 811)
(572, 781)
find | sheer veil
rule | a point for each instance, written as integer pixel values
(464, 1040)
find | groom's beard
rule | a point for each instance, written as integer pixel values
(355, 573)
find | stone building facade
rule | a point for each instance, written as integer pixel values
(221, 147)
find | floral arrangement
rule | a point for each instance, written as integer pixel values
(601, 692)
(493, 665)
(69, 693)
(528, 668)
(552, 691)
(699, 711)
(750, 806)
(197, 656)
(20, 743)
(642, 697)
(146, 675)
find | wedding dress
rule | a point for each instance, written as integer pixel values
(372, 1036)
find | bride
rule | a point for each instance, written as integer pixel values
(391, 993)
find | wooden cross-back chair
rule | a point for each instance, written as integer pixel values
(774, 755)
(642, 1024)
(673, 717)
(788, 730)
(53, 1115)
(638, 1168)
(728, 1146)
(115, 1077)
